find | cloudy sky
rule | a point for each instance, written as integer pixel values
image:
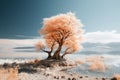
(20, 20)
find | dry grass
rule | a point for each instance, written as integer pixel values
(97, 63)
(79, 61)
(9, 74)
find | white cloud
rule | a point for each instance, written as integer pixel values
(102, 36)
(7, 45)
(93, 37)
(18, 41)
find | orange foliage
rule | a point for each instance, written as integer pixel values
(65, 30)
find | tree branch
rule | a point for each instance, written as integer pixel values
(52, 46)
(66, 52)
(55, 39)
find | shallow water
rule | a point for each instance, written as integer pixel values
(86, 71)
(111, 62)
(110, 52)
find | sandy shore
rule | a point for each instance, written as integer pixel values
(55, 74)
(58, 73)
(36, 71)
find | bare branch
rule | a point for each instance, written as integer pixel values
(45, 51)
(67, 35)
(66, 52)
(52, 46)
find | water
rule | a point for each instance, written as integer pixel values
(110, 52)
(86, 71)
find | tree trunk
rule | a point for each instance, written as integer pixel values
(63, 55)
(49, 56)
(56, 56)
(57, 53)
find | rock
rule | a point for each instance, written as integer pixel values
(69, 78)
(36, 60)
(6, 65)
(81, 76)
(63, 70)
(62, 76)
(103, 78)
(73, 78)
(47, 74)
(55, 77)
(113, 78)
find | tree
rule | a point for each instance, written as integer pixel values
(62, 33)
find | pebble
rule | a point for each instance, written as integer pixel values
(73, 78)
(113, 78)
(81, 77)
(103, 78)
(69, 78)
(47, 74)
(57, 77)
(62, 76)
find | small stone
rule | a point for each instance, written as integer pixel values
(47, 74)
(81, 77)
(73, 78)
(69, 78)
(55, 77)
(113, 78)
(62, 76)
(36, 61)
(103, 78)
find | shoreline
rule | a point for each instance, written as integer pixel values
(36, 70)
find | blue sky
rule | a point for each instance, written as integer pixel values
(23, 18)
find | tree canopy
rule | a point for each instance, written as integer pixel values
(62, 35)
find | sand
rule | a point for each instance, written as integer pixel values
(44, 73)
(57, 75)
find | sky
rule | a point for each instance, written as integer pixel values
(22, 19)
